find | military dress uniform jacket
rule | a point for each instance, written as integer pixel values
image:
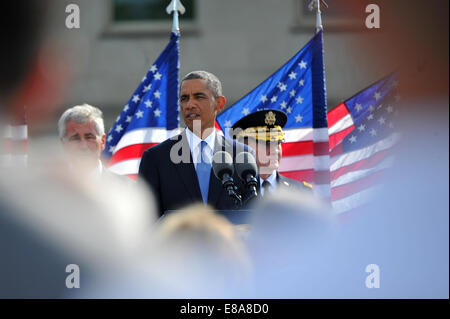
(292, 184)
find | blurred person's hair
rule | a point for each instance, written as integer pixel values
(22, 25)
(197, 245)
(198, 226)
(290, 217)
(289, 229)
(82, 114)
(212, 82)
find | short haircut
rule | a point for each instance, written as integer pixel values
(82, 114)
(212, 82)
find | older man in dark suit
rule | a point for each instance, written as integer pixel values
(179, 169)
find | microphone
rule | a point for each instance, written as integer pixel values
(246, 168)
(222, 165)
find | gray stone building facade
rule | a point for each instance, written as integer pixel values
(241, 41)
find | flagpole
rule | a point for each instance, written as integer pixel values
(322, 186)
(318, 17)
(176, 7)
(316, 4)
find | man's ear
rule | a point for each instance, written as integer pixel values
(103, 141)
(221, 101)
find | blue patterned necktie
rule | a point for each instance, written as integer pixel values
(203, 173)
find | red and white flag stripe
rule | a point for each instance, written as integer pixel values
(128, 152)
(298, 158)
(356, 175)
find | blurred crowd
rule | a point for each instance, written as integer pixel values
(54, 213)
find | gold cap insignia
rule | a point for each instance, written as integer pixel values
(270, 118)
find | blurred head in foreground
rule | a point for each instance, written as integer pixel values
(287, 229)
(35, 68)
(50, 220)
(404, 232)
(198, 254)
(289, 218)
(82, 134)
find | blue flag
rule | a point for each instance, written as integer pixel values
(150, 116)
(298, 89)
(294, 88)
(362, 158)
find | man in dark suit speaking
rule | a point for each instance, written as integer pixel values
(179, 169)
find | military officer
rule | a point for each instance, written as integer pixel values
(262, 131)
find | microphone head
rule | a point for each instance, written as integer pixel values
(222, 163)
(246, 164)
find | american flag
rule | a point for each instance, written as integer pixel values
(364, 134)
(14, 151)
(150, 116)
(298, 89)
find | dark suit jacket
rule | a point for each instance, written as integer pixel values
(291, 183)
(175, 183)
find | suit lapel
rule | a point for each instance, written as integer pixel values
(280, 180)
(187, 171)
